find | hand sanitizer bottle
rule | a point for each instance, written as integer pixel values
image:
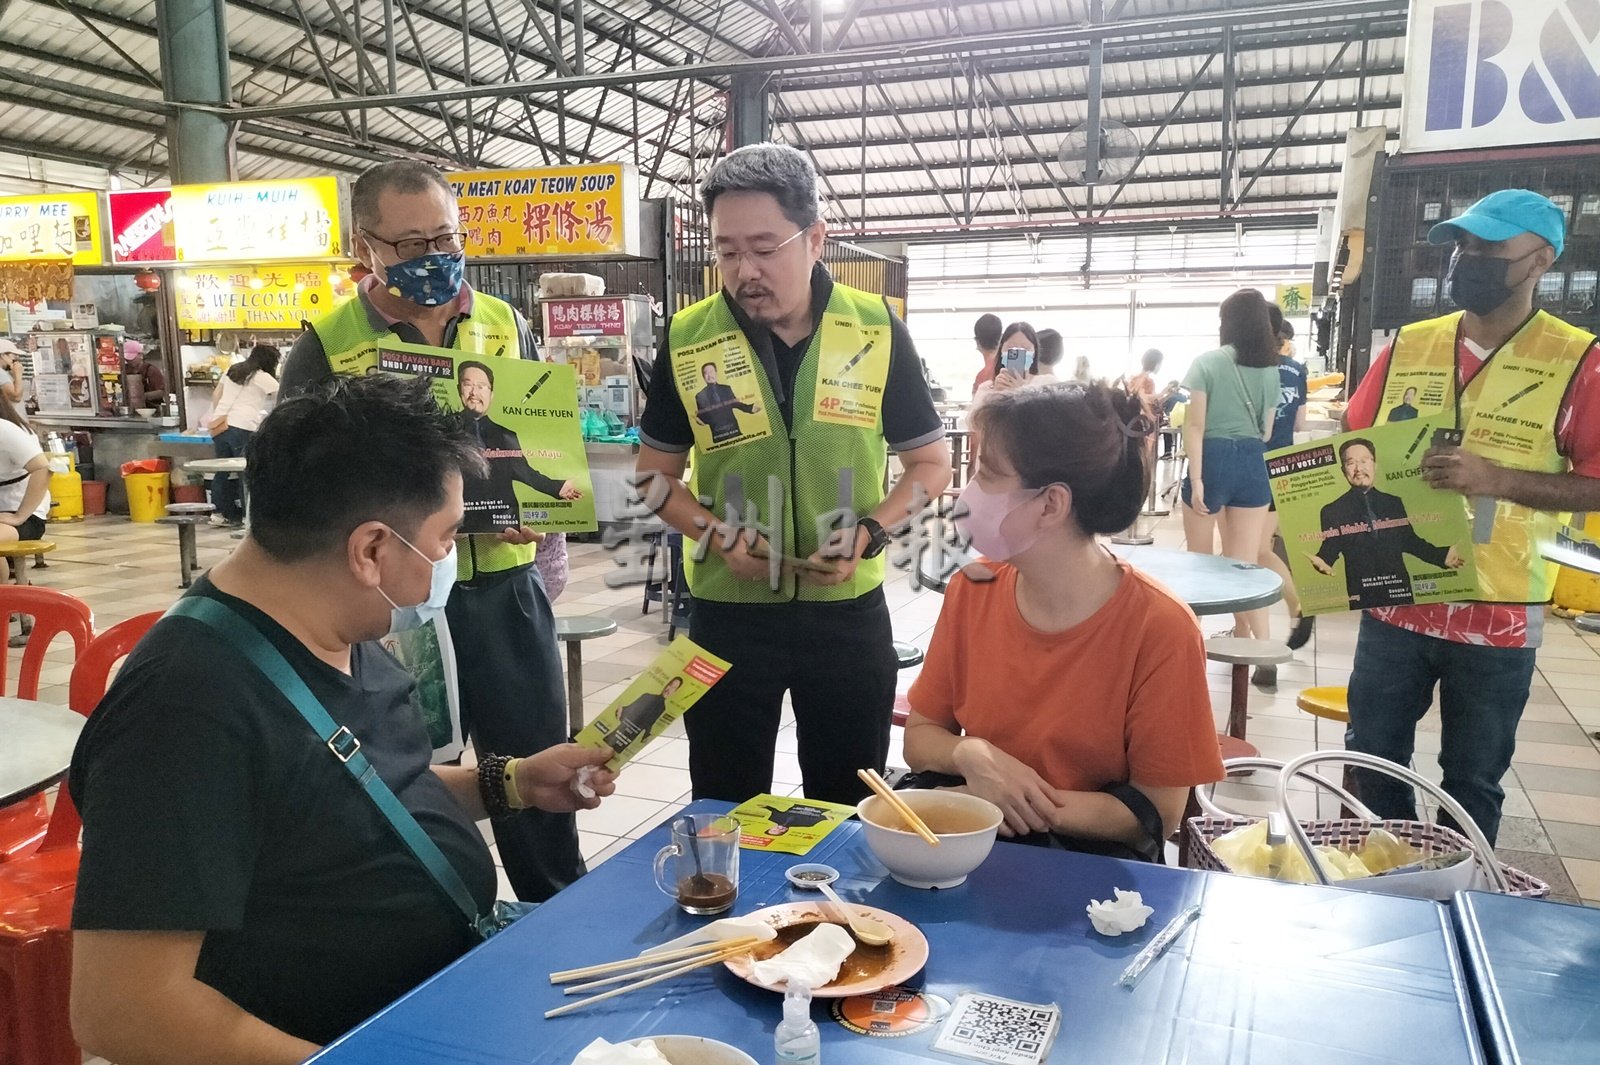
(797, 1040)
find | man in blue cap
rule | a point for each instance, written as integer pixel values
(1524, 389)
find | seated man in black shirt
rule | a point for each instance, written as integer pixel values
(241, 898)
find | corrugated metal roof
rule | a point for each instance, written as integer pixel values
(996, 119)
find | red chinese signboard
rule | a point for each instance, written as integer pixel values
(141, 226)
(594, 316)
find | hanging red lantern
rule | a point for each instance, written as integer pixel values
(147, 280)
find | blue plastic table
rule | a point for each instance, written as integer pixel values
(1534, 969)
(1269, 973)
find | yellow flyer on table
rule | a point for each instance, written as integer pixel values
(787, 826)
(660, 695)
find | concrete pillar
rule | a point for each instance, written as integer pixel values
(193, 36)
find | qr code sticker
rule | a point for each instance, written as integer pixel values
(988, 1028)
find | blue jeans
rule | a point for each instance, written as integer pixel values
(224, 491)
(1482, 691)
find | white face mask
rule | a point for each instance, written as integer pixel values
(405, 618)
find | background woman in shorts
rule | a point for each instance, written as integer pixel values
(24, 478)
(1233, 393)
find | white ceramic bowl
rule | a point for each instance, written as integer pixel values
(696, 1050)
(912, 860)
(145, 412)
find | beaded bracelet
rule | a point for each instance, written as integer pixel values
(491, 784)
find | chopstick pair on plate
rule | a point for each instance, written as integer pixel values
(644, 970)
(886, 793)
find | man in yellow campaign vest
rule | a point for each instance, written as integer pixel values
(407, 232)
(1523, 388)
(803, 386)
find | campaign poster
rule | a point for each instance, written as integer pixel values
(787, 825)
(1362, 528)
(524, 415)
(663, 693)
(722, 393)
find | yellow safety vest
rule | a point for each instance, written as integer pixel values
(1508, 414)
(351, 342)
(796, 482)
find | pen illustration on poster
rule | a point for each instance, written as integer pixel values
(659, 696)
(1363, 529)
(524, 415)
(717, 380)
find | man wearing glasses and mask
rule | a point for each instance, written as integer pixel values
(407, 232)
(1523, 387)
(834, 384)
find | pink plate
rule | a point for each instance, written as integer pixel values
(908, 952)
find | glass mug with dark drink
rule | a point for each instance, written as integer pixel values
(700, 867)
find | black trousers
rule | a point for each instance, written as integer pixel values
(836, 661)
(513, 702)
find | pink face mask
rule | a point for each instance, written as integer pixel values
(981, 517)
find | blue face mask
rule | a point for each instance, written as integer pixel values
(428, 280)
(405, 618)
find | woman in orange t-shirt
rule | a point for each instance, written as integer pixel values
(1068, 676)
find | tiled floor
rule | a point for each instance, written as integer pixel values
(1552, 827)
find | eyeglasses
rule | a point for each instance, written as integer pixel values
(729, 260)
(412, 247)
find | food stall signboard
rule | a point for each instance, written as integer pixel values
(601, 316)
(558, 212)
(61, 226)
(247, 221)
(255, 297)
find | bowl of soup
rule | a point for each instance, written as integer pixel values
(965, 826)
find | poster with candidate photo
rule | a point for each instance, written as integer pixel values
(1362, 529)
(722, 394)
(524, 417)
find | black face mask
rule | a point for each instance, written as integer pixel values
(1477, 283)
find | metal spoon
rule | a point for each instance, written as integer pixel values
(699, 882)
(870, 930)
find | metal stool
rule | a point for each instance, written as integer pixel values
(1242, 653)
(188, 553)
(572, 632)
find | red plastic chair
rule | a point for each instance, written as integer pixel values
(22, 824)
(36, 894)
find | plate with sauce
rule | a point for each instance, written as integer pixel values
(866, 970)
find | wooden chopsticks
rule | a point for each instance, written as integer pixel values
(886, 793)
(653, 967)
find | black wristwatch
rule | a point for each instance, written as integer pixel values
(877, 537)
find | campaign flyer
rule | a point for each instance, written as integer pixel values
(668, 687)
(787, 825)
(524, 416)
(1362, 529)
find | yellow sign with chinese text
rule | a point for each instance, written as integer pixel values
(557, 212)
(1294, 300)
(255, 221)
(259, 297)
(61, 226)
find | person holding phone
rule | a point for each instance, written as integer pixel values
(1103, 721)
(1016, 362)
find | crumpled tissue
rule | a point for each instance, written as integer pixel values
(1125, 914)
(581, 785)
(601, 1052)
(727, 928)
(813, 960)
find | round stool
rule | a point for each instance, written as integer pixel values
(909, 654)
(572, 632)
(1589, 623)
(188, 553)
(1242, 653)
(1330, 703)
(19, 551)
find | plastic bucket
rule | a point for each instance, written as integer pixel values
(94, 497)
(66, 496)
(147, 495)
